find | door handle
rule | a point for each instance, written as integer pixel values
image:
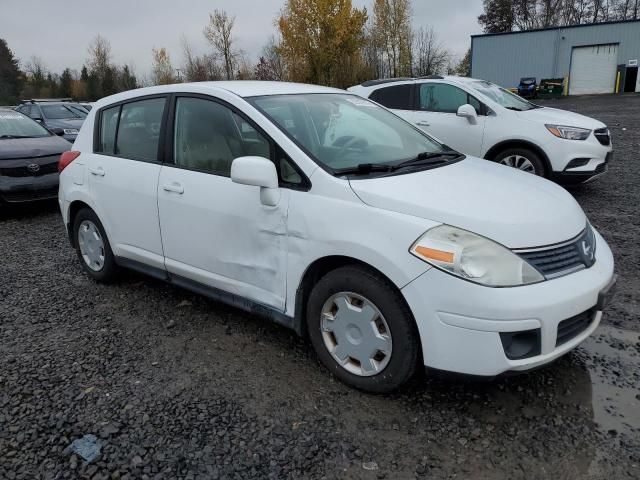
(174, 187)
(97, 171)
(422, 123)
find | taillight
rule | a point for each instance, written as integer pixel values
(65, 159)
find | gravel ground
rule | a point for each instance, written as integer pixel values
(176, 386)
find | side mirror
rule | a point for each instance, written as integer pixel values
(57, 131)
(257, 172)
(468, 112)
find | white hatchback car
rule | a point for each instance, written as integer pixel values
(329, 214)
(481, 119)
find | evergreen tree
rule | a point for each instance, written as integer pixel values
(10, 76)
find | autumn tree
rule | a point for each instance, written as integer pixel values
(199, 68)
(322, 40)
(393, 33)
(463, 68)
(10, 75)
(270, 66)
(219, 32)
(162, 67)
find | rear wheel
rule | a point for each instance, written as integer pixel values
(523, 159)
(92, 247)
(362, 330)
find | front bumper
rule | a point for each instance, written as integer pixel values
(561, 153)
(460, 322)
(28, 189)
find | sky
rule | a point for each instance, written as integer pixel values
(59, 32)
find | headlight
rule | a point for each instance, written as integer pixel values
(569, 133)
(70, 131)
(474, 258)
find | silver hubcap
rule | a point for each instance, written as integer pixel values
(519, 162)
(356, 334)
(91, 245)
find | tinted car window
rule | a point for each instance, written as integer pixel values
(139, 129)
(60, 112)
(208, 136)
(440, 97)
(397, 97)
(108, 125)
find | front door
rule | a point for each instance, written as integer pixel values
(436, 114)
(216, 232)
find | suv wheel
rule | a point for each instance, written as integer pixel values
(362, 330)
(522, 159)
(92, 247)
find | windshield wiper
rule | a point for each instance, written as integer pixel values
(515, 109)
(8, 137)
(427, 158)
(365, 169)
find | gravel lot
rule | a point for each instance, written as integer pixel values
(176, 386)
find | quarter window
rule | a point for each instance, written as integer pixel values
(397, 97)
(108, 125)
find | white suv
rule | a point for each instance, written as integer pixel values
(324, 212)
(481, 119)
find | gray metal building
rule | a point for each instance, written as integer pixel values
(594, 58)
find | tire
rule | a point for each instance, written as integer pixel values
(396, 368)
(107, 270)
(512, 156)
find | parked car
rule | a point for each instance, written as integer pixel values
(327, 213)
(29, 155)
(484, 120)
(528, 87)
(56, 114)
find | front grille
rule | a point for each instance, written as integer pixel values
(29, 195)
(47, 165)
(568, 257)
(603, 136)
(574, 326)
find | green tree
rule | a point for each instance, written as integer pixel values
(66, 80)
(463, 68)
(10, 75)
(498, 16)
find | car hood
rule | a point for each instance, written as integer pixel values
(516, 209)
(12, 148)
(65, 123)
(555, 116)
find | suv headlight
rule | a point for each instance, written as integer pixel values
(70, 131)
(569, 133)
(474, 258)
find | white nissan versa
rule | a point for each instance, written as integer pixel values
(481, 119)
(331, 215)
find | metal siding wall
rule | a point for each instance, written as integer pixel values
(504, 59)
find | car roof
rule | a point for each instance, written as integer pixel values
(374, 84)
(241, 88)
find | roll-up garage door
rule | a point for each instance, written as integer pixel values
(593, 69)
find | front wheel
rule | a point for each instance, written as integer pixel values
(523, 159)
(362, 330)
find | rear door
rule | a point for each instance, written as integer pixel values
(436, 113)
(123, 177)
(399, 98)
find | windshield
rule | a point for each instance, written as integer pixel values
(344, 131)
(502, 96)
(16, 125)
(61, 112)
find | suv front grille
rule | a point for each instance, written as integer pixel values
(603, 136)
(562, 259)
(574, 326)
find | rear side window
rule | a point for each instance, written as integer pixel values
(132, 130)
(108, 125)
(397, 97)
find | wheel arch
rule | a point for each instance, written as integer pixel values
(493, 152)
(318, 269)
(74, 207)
